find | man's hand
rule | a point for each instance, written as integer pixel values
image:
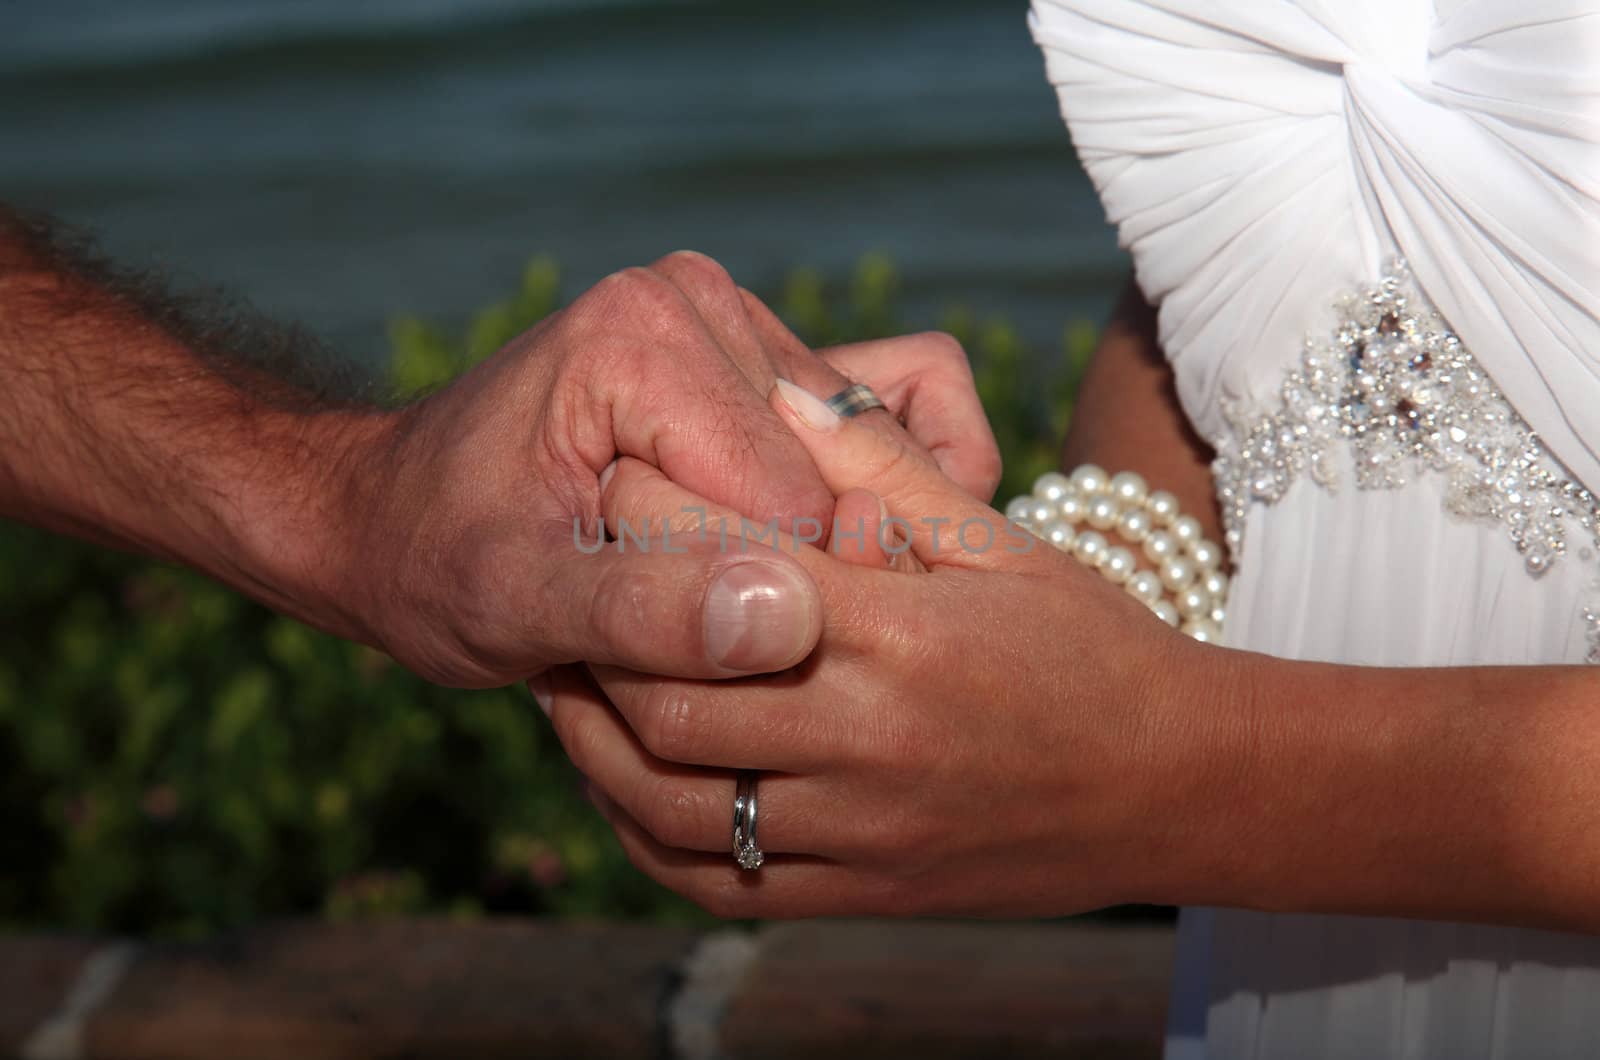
(470, 547)
(472, 534)
(444, 532)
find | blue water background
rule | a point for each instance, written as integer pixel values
(339, 163)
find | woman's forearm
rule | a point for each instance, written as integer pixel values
(1458, 794)
(1464, 794)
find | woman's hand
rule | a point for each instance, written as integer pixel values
(995, 736)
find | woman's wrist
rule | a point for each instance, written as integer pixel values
(1196, 744)
(1459, 794)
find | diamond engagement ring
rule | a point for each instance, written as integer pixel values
(855, 399)
(745, 850)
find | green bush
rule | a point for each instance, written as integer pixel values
(176, 759)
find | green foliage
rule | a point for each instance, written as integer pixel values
(175, 759)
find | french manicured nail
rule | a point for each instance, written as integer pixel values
(542, 694)
(606, 476)
(758, 617)
(812, 410)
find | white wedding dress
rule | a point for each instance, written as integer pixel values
(1403, 489)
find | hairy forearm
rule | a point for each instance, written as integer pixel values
(122, 423)
(1458, 794)
(1127, 416)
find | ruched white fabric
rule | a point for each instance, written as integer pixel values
(1259, 158)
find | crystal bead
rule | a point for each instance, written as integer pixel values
(1405, 398)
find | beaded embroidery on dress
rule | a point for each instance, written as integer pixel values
(1395, 386)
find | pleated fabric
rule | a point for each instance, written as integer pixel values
(1260, 158)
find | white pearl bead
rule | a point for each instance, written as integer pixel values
(1090, 479)
(1072, 508)
(1017, 511)
(1203, 630)
(1103, 513)
(1144, 586)
(1059, 533)
(1129, 487)
(1177, 573)
(1091, 547)
(1051, 486)
(1041, 512)
(1118, 564)
(1194, 602)
(1187, 529)
(1165, 612)
(1206, 553)
(1216, 583)
(1134, 525)
(1160, 546)
(1162, 505)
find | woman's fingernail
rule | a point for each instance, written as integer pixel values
(542, 694)
(605, 476)
(758, 617)
(812, 410)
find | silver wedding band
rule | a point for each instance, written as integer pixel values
(745, 851)
(855, 399)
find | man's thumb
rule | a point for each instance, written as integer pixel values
(687, 611)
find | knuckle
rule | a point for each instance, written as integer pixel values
(582, 737)
(897, 839)
(638, 297)
(987, 465)
(944, 348)
(618, 599)
(673, 725)
(894, 743)
(724, 898)
(900, 649)
(671, 813)
(898, 464)
(701, 272)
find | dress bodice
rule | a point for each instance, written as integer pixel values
(1258, 157)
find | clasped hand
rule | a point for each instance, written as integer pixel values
(993, 732)
(458, 523)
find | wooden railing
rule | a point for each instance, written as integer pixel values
(522, 989)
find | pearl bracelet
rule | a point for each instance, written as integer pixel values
(1075, 512)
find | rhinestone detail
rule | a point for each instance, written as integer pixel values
(1391, 383)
